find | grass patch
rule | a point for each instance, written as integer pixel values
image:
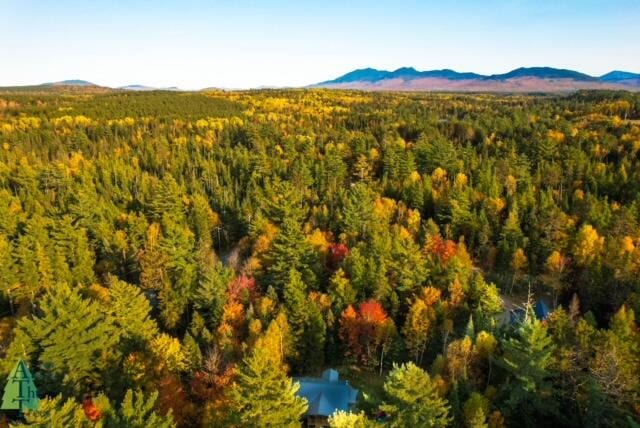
(370, 384)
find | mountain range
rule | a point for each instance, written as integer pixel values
(524, 79)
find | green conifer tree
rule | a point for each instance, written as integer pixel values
(313, 343)
(289, 250)
(527, 359)
(264, 396)
(72, 338)
(54, 412)
(412, 399)
(130, 311)
(137, 411)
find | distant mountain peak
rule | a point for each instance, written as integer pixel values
(617, 76)
(363, 74)
(543, 73)
(406, 69)
(71, 82)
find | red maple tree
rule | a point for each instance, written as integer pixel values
(337, 251)
(366, 330)
(90, 410)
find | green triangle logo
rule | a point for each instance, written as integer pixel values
(20, 392)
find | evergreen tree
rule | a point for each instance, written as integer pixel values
(297, 315)
(476, 410)
(264, 396)
(137, 411)
(7, 267)
(209, 296)
(284, 202)
(358, 217)
(130, 312)
(341, 292)
(289, 250)
(177, 245)
(72, 339)
(167, 200)
(527, 359)
(54, 412)
(412, 399)
(313, 343)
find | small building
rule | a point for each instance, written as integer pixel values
(540, 310)
(325, 395)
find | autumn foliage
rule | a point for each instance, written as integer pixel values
(442, 249)
(199, 249)
(90, 410)
(365, 331)
(338, 251)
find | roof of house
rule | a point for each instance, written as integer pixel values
(327, 394)
(540, 309)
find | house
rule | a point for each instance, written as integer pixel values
(540, 310)
(325, 395)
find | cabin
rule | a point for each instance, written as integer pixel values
(540, 310)
(325, 395)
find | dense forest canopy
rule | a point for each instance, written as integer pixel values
(172, 258)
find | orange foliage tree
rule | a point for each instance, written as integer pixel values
(367, 332)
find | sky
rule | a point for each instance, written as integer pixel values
(194, 44)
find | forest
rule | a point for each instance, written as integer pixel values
(179, 259)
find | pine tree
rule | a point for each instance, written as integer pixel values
(307, 325)
(341, 292)
(192, 350)
(177, 245)
(289, 250)
(167, 200)
(470, 329)
(26, 269)
(72, 245)
(54, 412)
(284, 201)
(358, 217)
(313, 344)
(527, 359)
(204, 219)
(130, 312)
(297, 315)
(615, 366)
(72, 338)
(7, 267)
(264, 396)
(137, 411)
(209, 296)
(412, 399)
(476, 411)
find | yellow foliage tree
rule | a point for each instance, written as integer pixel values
(588, 245)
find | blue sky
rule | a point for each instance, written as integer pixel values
(194, 44)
